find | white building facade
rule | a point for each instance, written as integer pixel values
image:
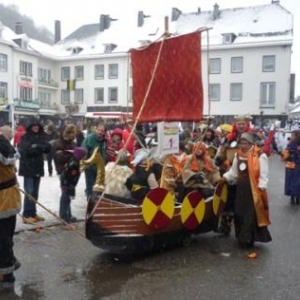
(246, 68)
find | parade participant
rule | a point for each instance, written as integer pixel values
(223, 160)
(143, 179)
(173, 167)
(10, 206)
(211, 142)
(200, 171)
(249, 171)
(126, 138)
(114, 144)
(292, 168)
(32, 148)
(116, 174)
(66, 158)
(92, 141)
(210, 138)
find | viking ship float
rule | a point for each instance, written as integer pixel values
(167, 87)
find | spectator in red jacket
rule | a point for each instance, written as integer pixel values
(18, 134)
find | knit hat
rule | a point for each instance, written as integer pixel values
(117, 131)
(79, 153)
(248, 137)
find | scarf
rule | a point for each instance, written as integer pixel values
(260, 198)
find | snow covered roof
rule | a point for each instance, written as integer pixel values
(248, 25)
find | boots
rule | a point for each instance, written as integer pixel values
(292, 200)
(297, 200)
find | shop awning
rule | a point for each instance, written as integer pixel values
(108, 114)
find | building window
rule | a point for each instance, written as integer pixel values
(3, 89)
(3, 62)
(79, 73)
(236, 91)
(268, 63)
(214, 91)
(99, 71)
(25, 68)
(65, 73)
(44, 99)
(236, 64)
(267, 94)
(99, 95)
(215, 66)
(44, 75)
(25, 93)
(113, 71)
(79, 96)
(65, 97)
(113, 95)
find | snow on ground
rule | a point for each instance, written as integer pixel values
(49, 196)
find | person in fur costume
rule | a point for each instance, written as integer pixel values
(200, 171)
(10, 206)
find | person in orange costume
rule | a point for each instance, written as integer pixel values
(249, 171)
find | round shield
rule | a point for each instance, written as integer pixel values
(220, 198)
(158, 208)
(192, 210)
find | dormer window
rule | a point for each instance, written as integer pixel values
(228, 38)
(108, 48)
(22, 43)
(76, 50)
(145, 42)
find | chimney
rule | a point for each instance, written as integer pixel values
(275, 2)
(140, 18)
(175, 14)
(216, 12)
(18, 28)
(199, 11)
(57, 31)
(104, 22)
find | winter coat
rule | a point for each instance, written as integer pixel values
(60, 155)
(91, 142)
(32, 147)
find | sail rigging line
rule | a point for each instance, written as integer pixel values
(208, 75)
(163, 37)
(30, 197)
(138, 116)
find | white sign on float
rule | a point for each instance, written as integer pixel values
(168, 137)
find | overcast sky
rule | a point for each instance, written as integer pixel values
(74, 13)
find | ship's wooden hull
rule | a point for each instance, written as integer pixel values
(118, 226)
